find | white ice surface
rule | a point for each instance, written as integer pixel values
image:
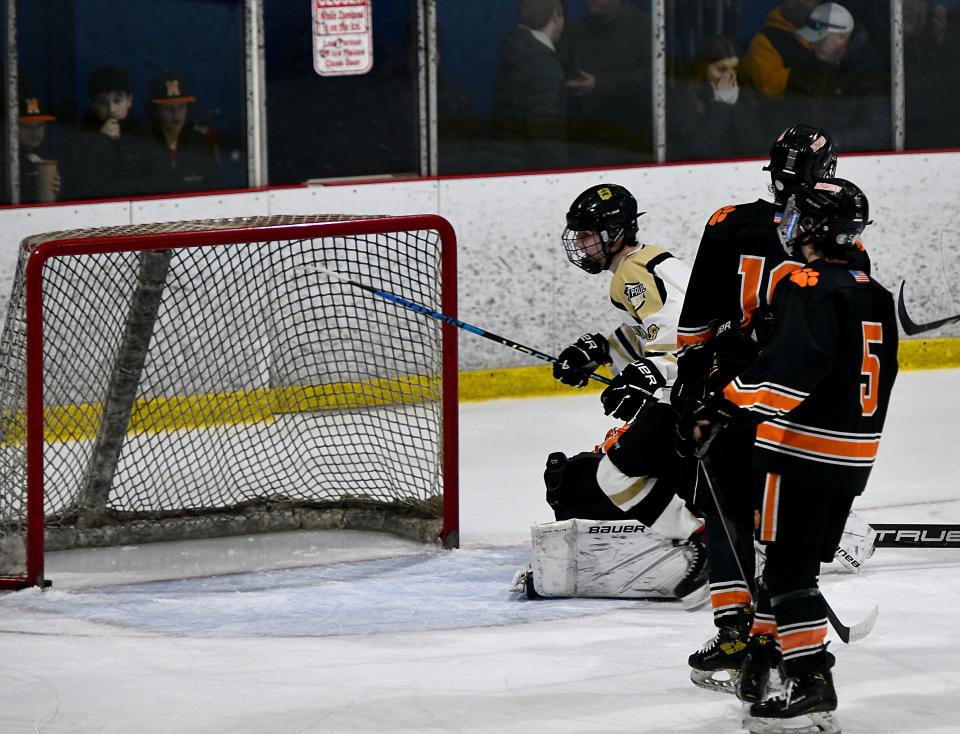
(356, 632)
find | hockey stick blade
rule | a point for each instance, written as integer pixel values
(858, 631)
(911, 327)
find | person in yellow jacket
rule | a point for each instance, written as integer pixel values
(775, 48)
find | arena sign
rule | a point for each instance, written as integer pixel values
(342, 37)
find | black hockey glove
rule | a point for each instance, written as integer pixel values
(576, 362)
(632, 390)
(710, 415)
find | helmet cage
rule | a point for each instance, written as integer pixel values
(600, 223)
(592, 250)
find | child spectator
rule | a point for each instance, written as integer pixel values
(39, 175)
(182, 157)
(109, 150)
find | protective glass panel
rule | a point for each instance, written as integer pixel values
(931, 58)
(544, 85)
(739, 73)
(341, 126)
(132, 98)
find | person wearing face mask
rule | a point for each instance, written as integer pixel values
(711, 114)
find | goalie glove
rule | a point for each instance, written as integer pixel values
(576, 362)
(632, 390)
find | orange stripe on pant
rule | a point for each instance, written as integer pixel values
(729, 598)
(771, 500)
(804, 638)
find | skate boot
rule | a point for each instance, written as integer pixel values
(806, 705)
(693, 590)
(761, 660)
(716, 665)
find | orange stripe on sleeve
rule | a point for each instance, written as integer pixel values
(760, 396)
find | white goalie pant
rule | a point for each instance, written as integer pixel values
(604, 558)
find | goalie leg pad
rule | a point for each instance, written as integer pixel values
(613, 559)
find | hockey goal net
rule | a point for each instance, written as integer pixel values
(199, 379)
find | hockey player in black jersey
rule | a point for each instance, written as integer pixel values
(725, 316)
(818, 396)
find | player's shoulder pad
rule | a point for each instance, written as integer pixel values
(736, 215)
(817, 283)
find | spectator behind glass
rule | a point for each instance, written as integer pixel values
(772, 52)
(39, 176)
(529, 100)
(710, 114)
(108, 152)
(182, 157)
(931, 62)
(607, 58)
(844, 87)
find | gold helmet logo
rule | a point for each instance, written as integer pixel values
(605, 193)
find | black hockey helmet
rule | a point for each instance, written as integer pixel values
(801, 155)
(830, 214)
(600, 223)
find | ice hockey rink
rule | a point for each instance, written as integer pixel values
(355, 632)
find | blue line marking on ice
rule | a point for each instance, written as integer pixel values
(459, 589)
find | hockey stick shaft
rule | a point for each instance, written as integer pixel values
(910, 327)
(916, 535)
(445, 318)
(845, 633)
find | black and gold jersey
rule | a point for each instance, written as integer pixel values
(822, 384)
(649, 284)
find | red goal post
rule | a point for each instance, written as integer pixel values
(195, 379)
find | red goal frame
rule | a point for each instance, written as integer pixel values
(71, 246)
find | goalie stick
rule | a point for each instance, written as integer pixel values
(911, 327)
(845, 633)
(447, 319)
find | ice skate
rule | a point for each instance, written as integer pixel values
(716, 665)
(806, 705)
(758, 673)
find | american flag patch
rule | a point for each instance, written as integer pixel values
(860, 276)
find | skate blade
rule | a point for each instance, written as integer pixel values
(724, 681)
(819, 723)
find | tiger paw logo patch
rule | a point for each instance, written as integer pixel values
(805, 277)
